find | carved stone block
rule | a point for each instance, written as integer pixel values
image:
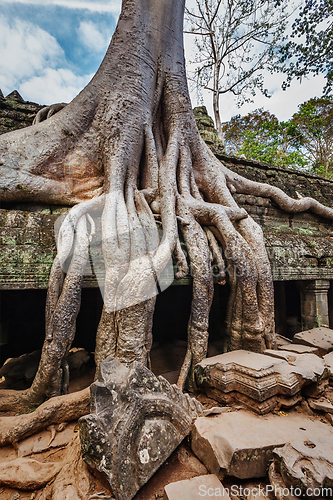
(261, 382)
(137, 420)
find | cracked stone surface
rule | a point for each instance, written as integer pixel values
(195, 489)
(137, 420)
(305, 464)
(321, 338)
(241, 444)
(262, 382)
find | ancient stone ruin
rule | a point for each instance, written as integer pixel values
(252, 422)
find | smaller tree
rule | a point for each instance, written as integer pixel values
(309, 49)
(235, 40)
(260, 136)
(314, 123)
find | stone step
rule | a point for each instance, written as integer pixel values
(241, 444)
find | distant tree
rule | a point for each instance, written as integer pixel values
(261, 136)
(314, 123)
(309, 49)
(235, 40)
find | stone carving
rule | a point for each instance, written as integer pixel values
(322, 338)
(241, 444)
(261, 382)
(137, 420)
(306, 465)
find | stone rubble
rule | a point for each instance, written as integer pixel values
(241, 443)
(305, 464)
(262, 382)
(137, 420)
(328, 358)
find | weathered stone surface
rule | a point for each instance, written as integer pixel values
(307, 465)
(299, 348)
(321, 338)
(309, 366)
(137, 420)
(195, 489)
(328, 358)
(241, 444)
(261, 382)
(321, 404)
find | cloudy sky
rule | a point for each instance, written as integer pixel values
(49, 50)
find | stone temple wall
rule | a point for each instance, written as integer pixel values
(300, 247)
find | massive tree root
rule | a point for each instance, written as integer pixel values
(128, 146)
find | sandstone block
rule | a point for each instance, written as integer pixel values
(328, 358)
(261, 382)
(137, 420)
(299, 348)
(321, 338)
(241, 444)
(306, 465)
(196, 488)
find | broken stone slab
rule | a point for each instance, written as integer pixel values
(328, 358)
(305, 465)
(137, 420)
(321, 404)
(241, 444)
(309, 366)
(259, 377)
(195, 489)
(321, 338)
(299, 349)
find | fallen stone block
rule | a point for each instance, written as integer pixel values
(321, 338)
(137, 420)
(306, 466)
(241, 444)
(299, 349)
(321, 404)
(195, 489)
(261, 382)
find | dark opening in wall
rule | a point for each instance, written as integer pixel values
(293, 309)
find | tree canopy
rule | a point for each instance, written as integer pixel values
(235, 40)
(309, 49)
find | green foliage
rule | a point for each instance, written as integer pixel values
(260, 136)
(309, 49)
(314, 123)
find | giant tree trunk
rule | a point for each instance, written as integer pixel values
(128, 145)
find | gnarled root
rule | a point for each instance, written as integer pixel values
(54, 411)
(48, 111)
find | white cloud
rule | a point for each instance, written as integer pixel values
(91, 36)
(29, 62)
(53, 85)
(112, 6)
(25, 49)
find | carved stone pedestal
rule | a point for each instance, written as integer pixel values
(314, 303)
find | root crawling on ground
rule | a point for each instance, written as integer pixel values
(128, 146)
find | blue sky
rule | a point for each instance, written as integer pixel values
(50, 49)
